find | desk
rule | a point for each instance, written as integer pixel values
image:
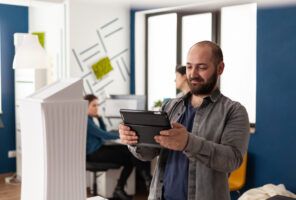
(113, 122)
(113, 142)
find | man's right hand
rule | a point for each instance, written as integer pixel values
(127, 136)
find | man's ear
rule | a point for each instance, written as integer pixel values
(220, 67)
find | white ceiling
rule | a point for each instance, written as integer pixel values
(158, 3)
(129, 3)
(145, 3)
(176, 3)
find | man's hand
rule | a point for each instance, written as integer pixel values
(126, 135)
(174, 139)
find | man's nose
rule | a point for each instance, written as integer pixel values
(195, 71)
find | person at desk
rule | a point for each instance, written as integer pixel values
(98, 152)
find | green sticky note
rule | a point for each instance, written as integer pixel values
(41, 37)
(102, 67)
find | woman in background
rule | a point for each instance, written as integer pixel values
(181, 80)
(98, 152)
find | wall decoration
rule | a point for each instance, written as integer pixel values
(96, 74)
(102, 67)
(101, 58)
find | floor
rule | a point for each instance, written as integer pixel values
(9, 191)
(12, 191)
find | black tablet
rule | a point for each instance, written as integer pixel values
(146, 124)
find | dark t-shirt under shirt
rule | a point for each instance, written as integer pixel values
(176, 170)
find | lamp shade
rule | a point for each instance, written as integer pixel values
(29, 53)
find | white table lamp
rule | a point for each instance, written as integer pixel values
(29, 53)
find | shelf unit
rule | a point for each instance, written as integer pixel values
(26, 82)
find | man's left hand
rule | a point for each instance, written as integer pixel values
(174, 138)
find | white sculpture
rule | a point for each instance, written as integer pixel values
(53, 125)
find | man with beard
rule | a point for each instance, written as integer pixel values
(208, 138)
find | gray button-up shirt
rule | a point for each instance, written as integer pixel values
(216, 145)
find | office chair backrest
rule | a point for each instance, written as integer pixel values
(237, 178)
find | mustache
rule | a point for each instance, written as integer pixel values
(196, 79)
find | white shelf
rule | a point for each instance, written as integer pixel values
(26, 82)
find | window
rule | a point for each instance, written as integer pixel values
(195, 28)
(238, 41)
(170, 35)
(161, 57)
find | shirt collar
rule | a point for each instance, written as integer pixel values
(213, 97)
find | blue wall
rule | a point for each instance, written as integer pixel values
(273, 147)
(132, 51)
(12, 19)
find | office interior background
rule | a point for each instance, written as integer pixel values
(143, 42)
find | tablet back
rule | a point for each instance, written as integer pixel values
(146, 124)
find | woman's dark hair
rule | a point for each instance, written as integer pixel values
(90, 97)
(181, 69)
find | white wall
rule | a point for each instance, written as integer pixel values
(90, 29)
(90, 25)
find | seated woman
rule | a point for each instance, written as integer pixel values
(98, 152)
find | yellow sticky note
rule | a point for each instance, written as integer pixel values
(102, 67)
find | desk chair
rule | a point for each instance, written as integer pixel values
(237, 178)
(95, 167)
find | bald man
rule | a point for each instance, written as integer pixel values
(208, 138)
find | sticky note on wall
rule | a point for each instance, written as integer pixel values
(41, 37)
(102, 67)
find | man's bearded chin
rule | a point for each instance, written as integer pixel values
(203, 87)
